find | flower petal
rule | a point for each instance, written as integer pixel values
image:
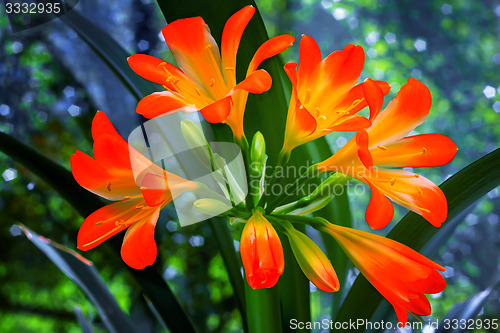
(332, 79)
(406, 111)
(139, 247)
(153, 69)
(269, 49)
(310, 57)
(219, 111)
(195, 50)
(363, 151)
(412, 191)
(101, 125)
(256, 83)
(355, 100)
(102, 224)
(161, 103)
(291, 71)
(380, 210)
(231, 36)
(424, 150)
(353, 123)
(374, 96)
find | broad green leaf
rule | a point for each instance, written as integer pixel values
(150, 280)
(461, 315)
(109, 51)
(85, 275)
(461, 190)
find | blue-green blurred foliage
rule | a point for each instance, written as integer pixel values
(52, 84)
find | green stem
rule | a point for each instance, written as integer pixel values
(309, 174)
(282, 161)
(263, 310)
(296, 304)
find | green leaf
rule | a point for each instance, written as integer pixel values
(85, 325)
(84, 274)
(461, 190)
(462, 312)
(52, 173)
(109, 51)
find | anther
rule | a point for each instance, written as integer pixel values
(109, 187)
(99, 222)
(127, 197)
(382, 147)
(198, 91)
(424, 151)
(212, 81)
(139, 206)
(392, 181)
(229, 68)
(119, 223)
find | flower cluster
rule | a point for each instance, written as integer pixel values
(325, 98)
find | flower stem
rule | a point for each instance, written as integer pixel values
(263, 310)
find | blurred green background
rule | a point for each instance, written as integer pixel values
(52, 83)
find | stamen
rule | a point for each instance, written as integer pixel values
(229, 68)
(316, 113)
(99, 222)
(103, 236)
(139, 206)
(127, 197)
(409, 204)
(162, 64)
(392, 181)
(212, 81)
(382, 147)
(198, 91)
(119, 223)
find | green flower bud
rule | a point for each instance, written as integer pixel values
(211, 207)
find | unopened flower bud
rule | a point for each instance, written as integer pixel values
(312, 261)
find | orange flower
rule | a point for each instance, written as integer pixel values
(402, 275)
(206, 80)
(324, 96)
(137, 208)
(384, 145)
(261, 252)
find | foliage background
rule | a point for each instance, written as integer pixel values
(52, 83)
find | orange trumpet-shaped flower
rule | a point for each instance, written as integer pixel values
(402, 275)
(109, 174)
(206, 80)
(371, 154)
(312, 261)
(261, 252)
(325, 96)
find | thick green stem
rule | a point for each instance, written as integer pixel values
(263, 310)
